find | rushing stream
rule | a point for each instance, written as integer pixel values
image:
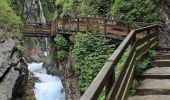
(48, 87)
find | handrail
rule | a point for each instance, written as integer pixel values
(70, 25)
(118, 90)
(115, 89)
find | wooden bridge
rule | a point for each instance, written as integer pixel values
(117, 89)
(101, 26)
(139, 36)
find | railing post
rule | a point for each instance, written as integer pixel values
(133, 39)
(104, 25)
(128, 28)
(109, 84)
(87, 24)
(57, 26)
(63, 25)
(148, 32)
(69, 20)
(78, 24)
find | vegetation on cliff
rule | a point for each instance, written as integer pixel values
(90, 53)
(132, 10)
(10, 23)
(137, 10)
(62, 48)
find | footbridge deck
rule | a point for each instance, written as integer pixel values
(101, 26)
(139, 36)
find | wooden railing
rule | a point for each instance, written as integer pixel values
(117, 89)
(70, 25)
(97, 25)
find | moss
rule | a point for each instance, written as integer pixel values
(48, 13)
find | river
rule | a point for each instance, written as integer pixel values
(48, 87)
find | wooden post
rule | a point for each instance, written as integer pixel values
(51, 28)
(77, 24)
(56, 26)
(87, 24)
(133, 39)
(128, 28)
(148, 32)
(63, 25)
(69, 25)
(109, 84)
(104, 25)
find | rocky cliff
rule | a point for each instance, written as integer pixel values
(13, 71)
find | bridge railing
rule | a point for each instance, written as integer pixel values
(117, 89)
(36, 29)
(101, 26)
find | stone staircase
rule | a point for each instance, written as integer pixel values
(156, 80)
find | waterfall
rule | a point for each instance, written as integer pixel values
(43, 20)
(48, 87)
(42, 17)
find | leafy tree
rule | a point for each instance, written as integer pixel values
(136, 10)
(90, 53)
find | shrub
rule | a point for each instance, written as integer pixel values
(137, 10)
(90, 53)
(10, 22)
(62, 46)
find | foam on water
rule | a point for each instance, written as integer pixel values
(45, 53)
(50, 87)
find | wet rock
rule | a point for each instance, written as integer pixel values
(29, 93)
(5, 55)
(7, 84)
(13, 71)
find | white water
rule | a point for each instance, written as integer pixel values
(50, 87)
(43, 20)
(45, 53)
(42, 17)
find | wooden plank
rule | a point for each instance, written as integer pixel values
(122, 47)
(147, 38)
(145, 28)
(129, 70)
(146, 46)
(110, 83)
(98, 83)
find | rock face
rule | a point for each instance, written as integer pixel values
(35, 48)
(13, 72)
(65, 70)
(164, 32)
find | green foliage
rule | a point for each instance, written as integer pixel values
(84, 7)
(67, 7)
(20, 48)
(137, 10)
(90, 53)
(62, 46)
(61, 42)
(135, 83)
(141, 65)
(48, 7)
(9, 21)
(122, 61)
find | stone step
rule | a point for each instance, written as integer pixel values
(167, 56)
(154, 87)
(161, 63)
(150, 97)
(157, 73)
